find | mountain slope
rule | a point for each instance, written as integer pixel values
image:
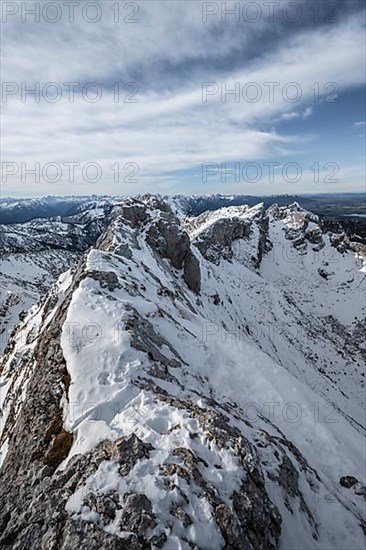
(295, 289)
(14, 211)
(141, 410)
(35, 253)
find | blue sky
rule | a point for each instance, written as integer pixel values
(172, 120)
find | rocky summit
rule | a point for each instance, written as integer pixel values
(190, 382)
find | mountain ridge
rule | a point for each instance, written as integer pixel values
(141, 406)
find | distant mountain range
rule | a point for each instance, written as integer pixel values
(332, 205)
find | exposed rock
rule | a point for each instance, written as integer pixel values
(165, 235)
(323, 273)
(179, 513)
(167, 238)
(179, 455)
(263, 242)
(137, 516)
(106, 505)
(123, 250)
(348, 481)
(145, 338)
(106, 280)
(135, 212)
(192, 272)
(216, 242)
(38, 516)
(60, 449)
(128, 450)
(314, 236)
(79, 534)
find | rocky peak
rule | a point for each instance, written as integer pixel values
(162, 231)
(216, 242)
(134, 418)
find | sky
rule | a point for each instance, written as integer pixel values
(182, 96)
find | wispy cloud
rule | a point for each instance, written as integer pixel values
(169, 54)
(292, 115)
(308, 112)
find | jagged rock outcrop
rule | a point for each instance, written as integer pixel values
(128, 411)
(216, 243)
(37, 497)
(192, 272)
(166, 236)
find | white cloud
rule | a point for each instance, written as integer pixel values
(170, 128)
(360, 124)
(308, 112)
(295, 115)
(289, 116)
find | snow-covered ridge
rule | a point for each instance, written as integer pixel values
(196, 225)
(35, 253)
(167, 415)
(22, 210)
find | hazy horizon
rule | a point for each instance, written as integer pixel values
(183, 97)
